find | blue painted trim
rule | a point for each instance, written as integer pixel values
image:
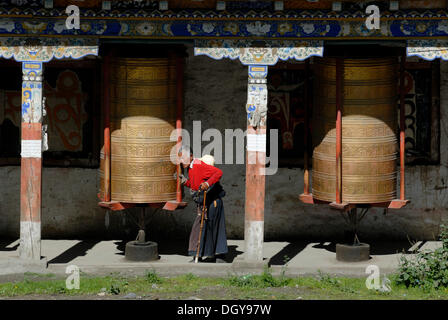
(207, 25)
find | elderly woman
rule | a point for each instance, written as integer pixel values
(204, 177)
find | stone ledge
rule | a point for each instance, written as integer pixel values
(15, 264)
(241, 263)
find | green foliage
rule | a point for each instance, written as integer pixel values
(265, 280)
(245, 287)
(444, 236)
(326, 279)
(428, 269)
(62, 290)
(153, 278)
(190, 276)
(115, 288)
(118, 285)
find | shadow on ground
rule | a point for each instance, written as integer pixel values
(288, 253)
(4, 244)
(78, 250)
(180, 248)
(377, 247)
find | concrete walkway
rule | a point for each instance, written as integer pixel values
(104, 257)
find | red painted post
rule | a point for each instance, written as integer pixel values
(402, 126)
(107, 147)
(31, 162)
(339, 97)
(306, 175)
(179, 107)
(255, 196)
(255, 165)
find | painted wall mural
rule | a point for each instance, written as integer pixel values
(65, 111)
(419, 104)
(287, 109)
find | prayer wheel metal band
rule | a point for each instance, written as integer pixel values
(369, 124)
(143, 109)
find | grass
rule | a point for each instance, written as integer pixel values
(261, 286)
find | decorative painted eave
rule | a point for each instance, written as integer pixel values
(428, 49)
(287, 25)
(45, 49)
(266, 53)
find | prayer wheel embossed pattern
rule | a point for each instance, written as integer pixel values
(143, 106)
(369, 124)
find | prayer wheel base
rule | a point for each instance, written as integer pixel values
(352, 253)
(141, 251)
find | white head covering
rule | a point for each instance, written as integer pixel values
(208, 159)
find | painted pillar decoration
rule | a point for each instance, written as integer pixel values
(257, 107)
(33, 52)
(257, 56)
(31, 163)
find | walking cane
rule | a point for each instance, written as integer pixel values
(204, 208)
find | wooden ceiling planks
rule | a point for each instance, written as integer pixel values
(423, 4)
(288, 4)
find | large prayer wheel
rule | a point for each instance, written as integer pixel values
(143, 108)
(369, 121)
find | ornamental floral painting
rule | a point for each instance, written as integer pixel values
(286, 111)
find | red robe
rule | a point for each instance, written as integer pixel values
(213, 237)
(201, 172)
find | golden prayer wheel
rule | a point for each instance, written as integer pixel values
(143, 109)
(369, 123)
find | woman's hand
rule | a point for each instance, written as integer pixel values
(204, 186)
(181, 178)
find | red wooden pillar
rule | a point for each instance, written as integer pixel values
(107, 146)
(339, 101)
(306, 174)
(31, 162)
(179, 110)
(402, 126)
(255, 164)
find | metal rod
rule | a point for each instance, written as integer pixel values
(107, 151)
(339, 88)
(306, 175)
(402, 126)
(132, 218)
(141, 237)
(363, 214)
(141, 222)
(345, 218)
